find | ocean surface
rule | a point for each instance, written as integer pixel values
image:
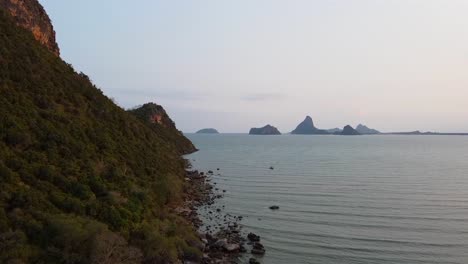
(362, 199)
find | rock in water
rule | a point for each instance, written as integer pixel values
(266, 130)
(307, 127)
(253, 261)
(253, 237)
(258, 249)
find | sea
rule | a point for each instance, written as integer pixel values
(344, 199)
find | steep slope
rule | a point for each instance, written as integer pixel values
(81, 180)
(307, 127)
(30, 14)
(157, 119)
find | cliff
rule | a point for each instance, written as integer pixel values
(30, 14)
(307, 127)
(157, 119)
(266, 130)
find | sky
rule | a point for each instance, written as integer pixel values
(394, 65)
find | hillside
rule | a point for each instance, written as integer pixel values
(158, 120)
(81, 180)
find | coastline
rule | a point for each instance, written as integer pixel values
(222, 239)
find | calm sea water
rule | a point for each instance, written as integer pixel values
(364, 199)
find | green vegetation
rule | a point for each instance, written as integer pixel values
(81, 180)
(157, 119)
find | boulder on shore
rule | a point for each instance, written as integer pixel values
(253, 237)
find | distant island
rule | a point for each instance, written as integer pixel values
(348, 131)
(307, 127)
(266, 130)
(334, 130)
(419, 133)
(364, 130)
(207, 131)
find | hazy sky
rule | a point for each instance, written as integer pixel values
(394, 65)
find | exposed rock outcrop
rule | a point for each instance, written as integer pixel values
(364, 130)
(156, 117)
(266, 130)
(307, 127)
(30, 14)
(207, 131)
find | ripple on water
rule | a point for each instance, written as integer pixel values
(381, 199)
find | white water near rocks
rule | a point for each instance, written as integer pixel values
(363, 199)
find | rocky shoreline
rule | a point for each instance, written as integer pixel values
(222, 239)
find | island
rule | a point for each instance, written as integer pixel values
(207, 131)
(364, 130)
(334, 130)
(419, 133)
(266, 130)
(307, 127)
(348, 131)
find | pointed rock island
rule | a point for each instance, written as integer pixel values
(207, 131)
(266, 130)
(307, 127)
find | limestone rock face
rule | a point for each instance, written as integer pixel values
(266, 130)
(307, 127)
(30, 14)
(156, 117)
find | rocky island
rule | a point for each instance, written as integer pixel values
(207, 131)
(307, 127)
(348, 131)
(364, 130)
(266, 130)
